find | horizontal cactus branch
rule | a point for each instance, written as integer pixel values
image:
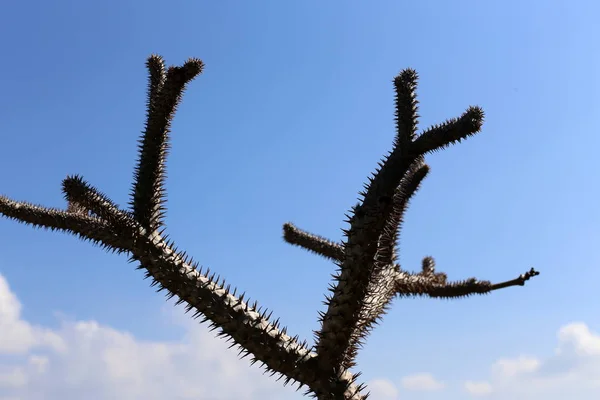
(83, 197)
(316, 244)
(368, 277)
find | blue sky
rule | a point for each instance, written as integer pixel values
(292, 113)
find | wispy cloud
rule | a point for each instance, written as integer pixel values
(422, 382)
(84, 359)
(573, 371)
(478, 388)
(383, 389)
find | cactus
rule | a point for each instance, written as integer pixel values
(368, 276)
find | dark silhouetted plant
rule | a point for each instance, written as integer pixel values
(368, 277)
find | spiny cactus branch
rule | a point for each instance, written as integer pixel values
(428, 271)
(452, 131)
(157, 75)
(366, 282)
(367, 222)
(409, 185)
(406, 110)
(164, 94)
(316, 244)
(357, 272)
(86, 197)
(417, 284)
(519, 281)
(380, 291)
(83, 226)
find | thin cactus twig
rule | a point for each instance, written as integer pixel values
(368, 277)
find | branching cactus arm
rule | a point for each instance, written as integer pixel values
(368, 277)
(93, 216)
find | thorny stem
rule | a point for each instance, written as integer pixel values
(313, 243)
(520, 281)
(368, 277)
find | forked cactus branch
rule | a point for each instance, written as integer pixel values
(368, 277)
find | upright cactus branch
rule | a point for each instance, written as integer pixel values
(368, 276)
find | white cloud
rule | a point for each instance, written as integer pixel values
(423, 382)
(508, 368)
(84, 359)
(478, 388)
(87, 360)
(578, 339)
(17, 336)
(13, 377)
(382, 389)
(572, 372)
